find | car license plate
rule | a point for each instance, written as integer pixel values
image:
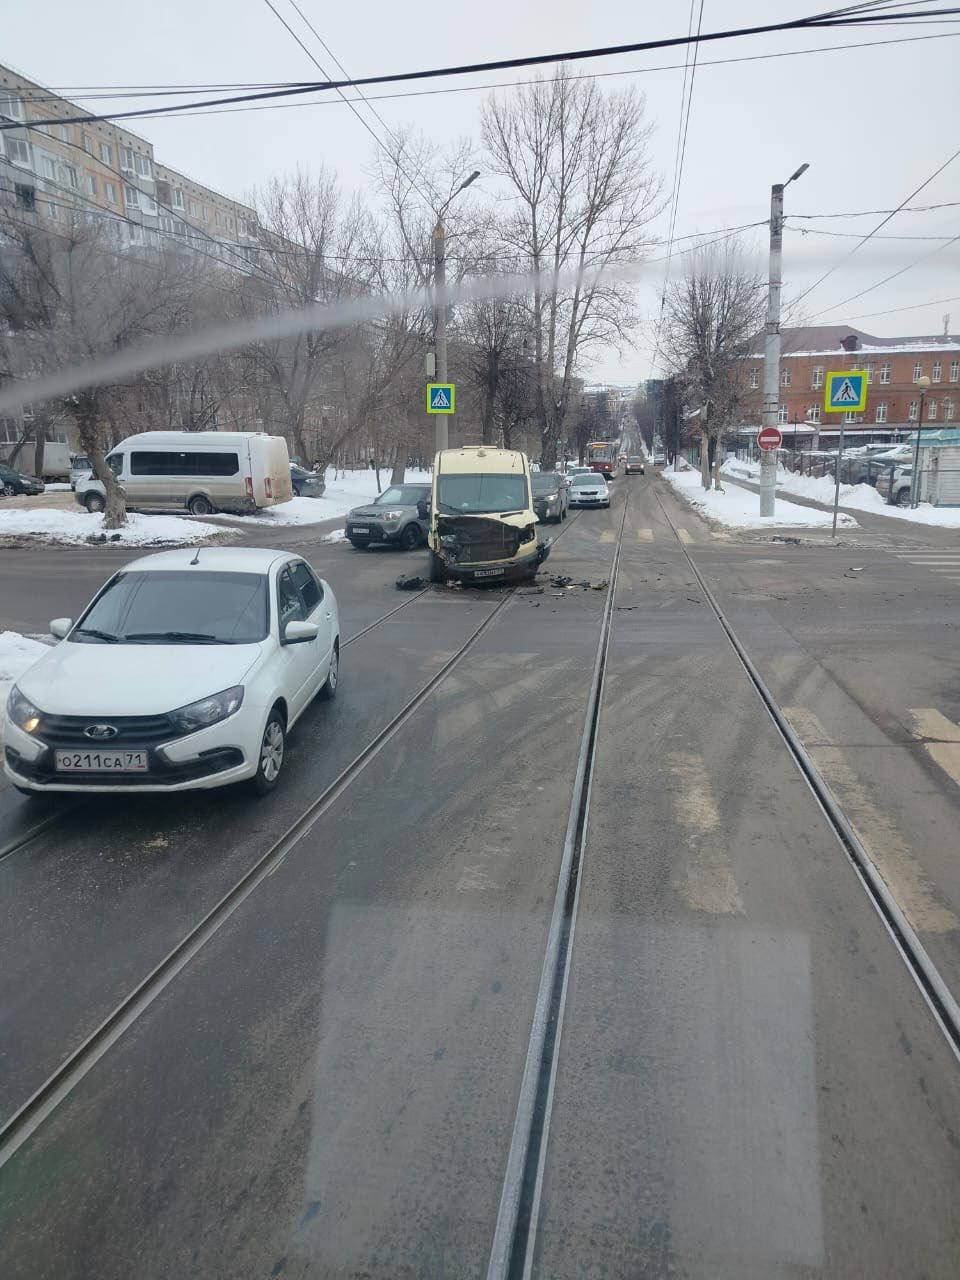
(102, 761)
(488, 573)
(359, 530)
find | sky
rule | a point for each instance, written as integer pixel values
(872, 123)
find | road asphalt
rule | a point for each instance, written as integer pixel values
(749, 1083)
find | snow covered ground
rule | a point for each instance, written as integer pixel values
(345, 489)
(17, 653)
(57, 487)
(740, 509)
(862, 497)
(48, 524)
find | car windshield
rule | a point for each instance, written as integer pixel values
(632, 461)
(402, 495)
(476, 494)
(178, 606)
(589, 482)
(544, 481)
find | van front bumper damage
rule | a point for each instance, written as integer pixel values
(475, 549)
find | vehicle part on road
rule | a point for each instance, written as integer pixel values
(410, 582)
(933, 988)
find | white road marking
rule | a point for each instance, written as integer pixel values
(645, 535)
(944, 750)
(709, 884)
(892, 856)
(685, 536)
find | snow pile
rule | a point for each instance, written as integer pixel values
(338, 535)
(17, 653)
(57, 487)
(49, 524)
(861, 497)
(740, 509)
(345, 490)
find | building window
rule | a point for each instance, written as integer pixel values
(785, 378)
(754, 378)
(26, 196)
(885, 372)
(913, 410)
(127, 161)
(869, 374)
(11, 107)
(948, 410)
(937, 371)
(954, 370)
(131, 196)
(194, 209)
(69, 177)
(53, 212)
(177, 198)
(816, 380)
(143, 165)
(881, 413)
(813, 413)
(782, 414)
(110, 191)
(91, 184)
(134, 233)
(147, 204)
(106, 153)
(931, 410)
(917, 371)
(851, 416)
(18, 151)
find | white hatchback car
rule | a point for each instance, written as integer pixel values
(186, 671)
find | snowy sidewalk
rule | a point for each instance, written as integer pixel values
(738, 508)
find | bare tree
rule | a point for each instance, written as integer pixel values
(583, 194)
(712, 315)
(68, 297)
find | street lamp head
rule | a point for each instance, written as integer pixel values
(799, 174)
(473, 177)
(923, 382)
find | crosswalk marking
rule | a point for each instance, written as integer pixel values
(645, 535)
(894, 858)
(685, 536)
(945, 564)
(941, 739)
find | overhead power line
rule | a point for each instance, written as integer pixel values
(892, 276)
(914, 306)
(833, 19)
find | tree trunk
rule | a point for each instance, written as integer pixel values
(88, 428)
(704, 460)
(38, 452)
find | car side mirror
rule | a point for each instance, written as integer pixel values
(423, 509)
(61, 627)
(297, 632)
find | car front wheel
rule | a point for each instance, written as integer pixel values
(410, 538)
(272, 747)
(328, 689)
(94, 502)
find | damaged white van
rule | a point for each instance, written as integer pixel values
(482, 523)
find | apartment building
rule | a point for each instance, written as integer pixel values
(894, 368)
(50, 171)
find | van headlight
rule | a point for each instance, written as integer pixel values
(208, 711)
(22, 711)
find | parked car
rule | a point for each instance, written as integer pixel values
(14, 482)
(200, 471)
(550, 496)
(634, 466)
(306, 484)
(188, 670)
(393, 516)
(80, 467)
(589, 491)
(894, 485)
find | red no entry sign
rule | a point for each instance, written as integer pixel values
(769, 438)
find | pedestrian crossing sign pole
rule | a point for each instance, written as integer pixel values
(846, 392)
(441, 397)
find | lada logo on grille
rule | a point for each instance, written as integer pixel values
(100, 731)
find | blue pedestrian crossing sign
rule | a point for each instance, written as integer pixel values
(846, 391)
(441, 397)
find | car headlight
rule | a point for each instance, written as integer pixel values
(552, 497)
(22, 711)
(392, 515)
(207, 711)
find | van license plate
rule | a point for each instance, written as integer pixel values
(488, 573)
(101, 761)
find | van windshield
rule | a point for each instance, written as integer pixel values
(478, 494)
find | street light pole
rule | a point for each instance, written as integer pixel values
(922, 383)
(442, 438)
(771, 345)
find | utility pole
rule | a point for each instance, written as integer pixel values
(441, 435)
(770, 415)
(923, 383)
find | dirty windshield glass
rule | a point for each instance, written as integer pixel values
(163, 608)
(475, 494)
(403, 495)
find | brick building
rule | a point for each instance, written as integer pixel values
(894, 367)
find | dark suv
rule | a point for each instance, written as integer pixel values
(391, 517)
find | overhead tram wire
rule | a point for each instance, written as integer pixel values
(913, 306)
(158, 90)
(574, 55)
(880, 225)
(892, 276)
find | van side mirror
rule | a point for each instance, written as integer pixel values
(423, 509)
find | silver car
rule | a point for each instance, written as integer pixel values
(394, 516)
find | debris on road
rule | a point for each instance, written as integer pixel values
(410, 582)
(564, 583)
(781, 537)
